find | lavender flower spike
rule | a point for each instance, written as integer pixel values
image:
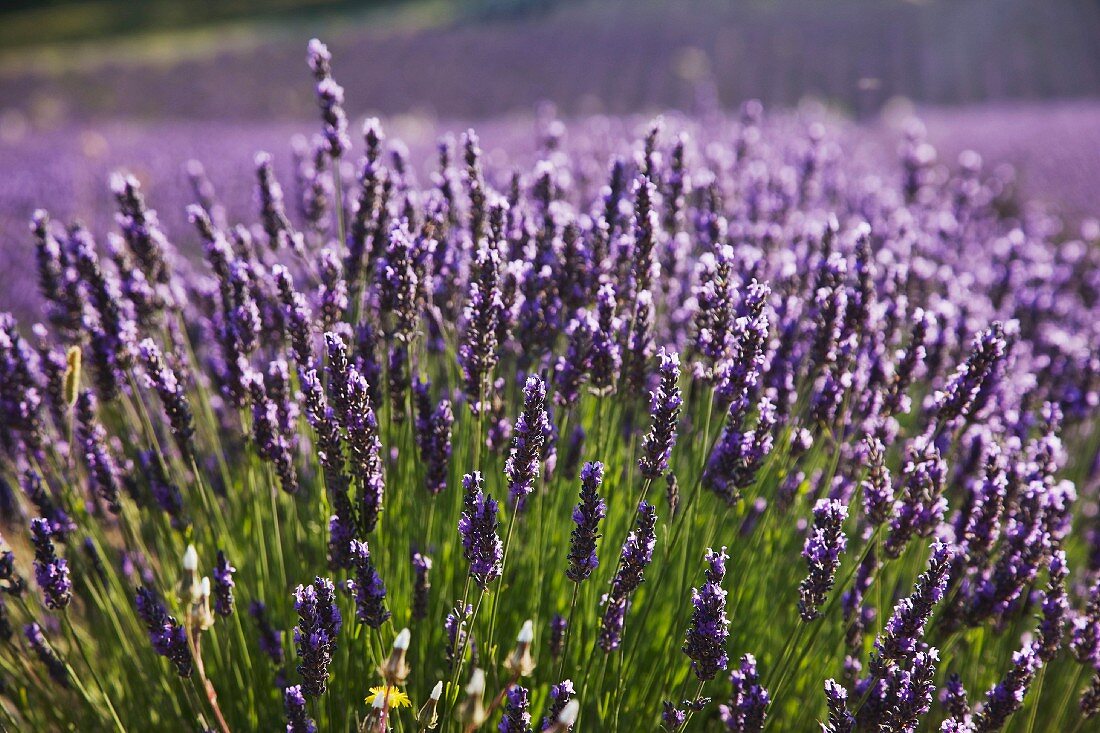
(824, 546)
(315, 635)
(1007, 696)
(840, 719)
(709, 631)
(748, 704)
(50, 571)
(664, 408)
(59, 673)
(169, 638)
(297, 719)
(223, 585)
(586, 515)
(161, 379)
(636, 554)
(481, 542)
(529, 436)
(370, 591)
(330, 98)
(517, 718)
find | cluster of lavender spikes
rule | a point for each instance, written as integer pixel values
(874, 362)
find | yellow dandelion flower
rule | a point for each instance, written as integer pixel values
(397, 698)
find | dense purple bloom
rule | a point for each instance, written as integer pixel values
(877, 489)
(607, 356)
(1055, 609)
(737, 456)
(840, 719)
(920, 505)
(672, 717)
(560, 695)
(901, 637)
(477, 351)
(50, 571)
(481, 543)
(297, 719)
(223, 585)
(748, 704)
(528, 439)
(281, 234)
(330, 98)
(319, 623)
(160, 378)
(664, 408)
(169, 638)
(636, 554)
(1085, 632)
(586, 515)
(822, 550)
(517, 718)
(706, 638)
(103, 474)
(1007, 696)
(957, 397)
(56, 668)
(370, 591)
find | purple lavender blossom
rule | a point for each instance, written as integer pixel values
(1007, 696)
(370, 591)
(636, 554)
(901, 637)
(177, 407)
(223, 585)
(877, 489)
(822, 550)
(517, 718)
(528, 440)
(330, 98)
(664, 408)
(481, 541)
(957, 397)
(315, 635)
(1054, 610)
(477, 351)
(586, 515)
(840, 719)
(748, 704)
(50, 571)
(706, 638)
(297, 719)
(103, 474)
(560, 695)
(56, 668)
(169, 638)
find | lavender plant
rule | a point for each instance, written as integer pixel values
(318, 480)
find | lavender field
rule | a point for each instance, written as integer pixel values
(679, 412)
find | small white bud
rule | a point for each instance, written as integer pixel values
(402, 640)
(437, 691)
(191, 559)
(205, 587)
(477, 682)
(379, 701)
(527, 633)
(568, 714)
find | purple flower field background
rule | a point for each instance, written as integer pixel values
(538, 365)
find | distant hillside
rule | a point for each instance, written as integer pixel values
(483, 58)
